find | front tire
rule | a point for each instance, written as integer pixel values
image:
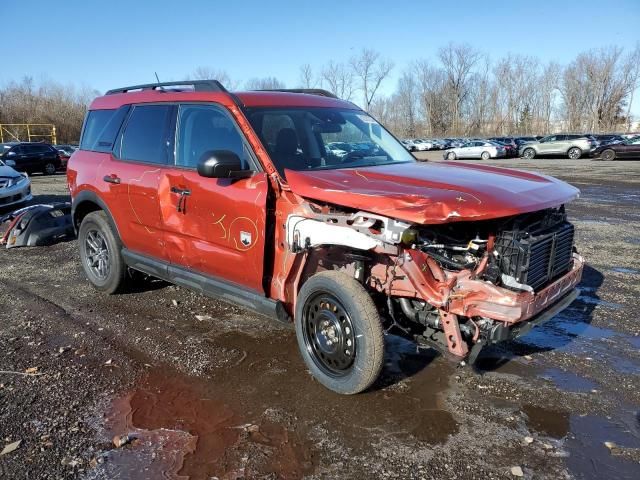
(339, 332)
(100, 253)
(451, 156)
(485, 156)
(529, 153)
(574, 153)
(608, 155)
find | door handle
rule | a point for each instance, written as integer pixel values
(111, 179)
(184, 193)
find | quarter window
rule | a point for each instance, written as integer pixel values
(204, 128)
(101, 128)
(145, 136)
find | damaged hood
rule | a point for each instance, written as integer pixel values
(433, 192)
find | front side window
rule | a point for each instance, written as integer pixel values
(311, 138)
(145, 135)
(202, 129)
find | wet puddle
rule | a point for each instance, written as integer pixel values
(551, 423)
(583, 438)
(631, 271)
(180, 430)
(589, 457)
(568, 381)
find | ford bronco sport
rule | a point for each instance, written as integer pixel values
(238, 195)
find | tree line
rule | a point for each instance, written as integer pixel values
(461, 92)
(26, 101)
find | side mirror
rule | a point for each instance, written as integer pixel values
(10, 163)
(221, 164)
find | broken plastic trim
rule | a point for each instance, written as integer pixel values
(38, 225)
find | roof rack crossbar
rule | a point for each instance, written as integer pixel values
(308, 91)
(198, 86)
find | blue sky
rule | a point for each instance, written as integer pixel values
(106, 44)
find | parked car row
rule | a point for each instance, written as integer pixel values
(32, 157)
(573, 146)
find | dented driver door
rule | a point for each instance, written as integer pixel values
(213, 226)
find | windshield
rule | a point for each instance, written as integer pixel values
(324, 138)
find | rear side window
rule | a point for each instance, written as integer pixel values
(145, 135)
(101, 128)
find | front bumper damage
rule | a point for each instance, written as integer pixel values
(464, 295)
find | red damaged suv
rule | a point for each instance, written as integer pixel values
(301, 206)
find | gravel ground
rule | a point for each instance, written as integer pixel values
(195, 388)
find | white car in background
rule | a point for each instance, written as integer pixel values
(476, 149)
(422, 145)
(409, 145)
(15, 187)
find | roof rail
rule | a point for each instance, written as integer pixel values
(198, 86)
(308, 91)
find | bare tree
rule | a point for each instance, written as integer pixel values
(458, 62)
(46, 102)
(266, 83)
(207, 73)
(370, 70)
(307, 78)
(338, 78)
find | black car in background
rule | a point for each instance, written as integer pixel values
(607, 139)
(626, 149)
(510, 144)
(31, 157)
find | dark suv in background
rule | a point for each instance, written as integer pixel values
(31, 157)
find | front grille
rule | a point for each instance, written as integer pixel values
(535, 259)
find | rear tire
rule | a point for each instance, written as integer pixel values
(574, 153)
(100, 253)
(339, 332)
(528, 153)
(451, 156)
(49, 168)
(485, 156)
(608, 155)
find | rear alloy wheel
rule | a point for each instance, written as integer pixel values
(451, 156)
(339, 332)
(485, 156)
(574, 153)
(608, 155)
(529, 153)
(100, 253)
(49, 168)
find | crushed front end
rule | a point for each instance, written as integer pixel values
(478, 283)
(455, 286)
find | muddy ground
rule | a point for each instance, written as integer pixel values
(196, 388)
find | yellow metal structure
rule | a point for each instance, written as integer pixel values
(28, 132)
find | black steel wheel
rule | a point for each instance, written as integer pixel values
(328, 334)
(339, 332)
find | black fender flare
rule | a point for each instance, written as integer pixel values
(92, 197)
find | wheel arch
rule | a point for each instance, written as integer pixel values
(86, 202)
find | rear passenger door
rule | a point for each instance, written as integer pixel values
(214, 226)
(140, 155)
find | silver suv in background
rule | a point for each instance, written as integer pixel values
(572, 145)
